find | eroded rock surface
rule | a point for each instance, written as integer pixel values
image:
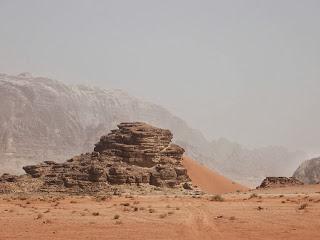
(136, 153)
(309, 171)
(270, 182)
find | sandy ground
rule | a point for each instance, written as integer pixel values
(208, 180)
(270, 214)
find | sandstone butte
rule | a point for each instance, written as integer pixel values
(136, 156)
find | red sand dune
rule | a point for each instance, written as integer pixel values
(208, 180)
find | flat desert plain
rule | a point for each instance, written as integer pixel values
(282, 213)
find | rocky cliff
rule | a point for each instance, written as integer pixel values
(136, 153)
(309, 171)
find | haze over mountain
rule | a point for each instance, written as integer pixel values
(245, 70)
(43, 119)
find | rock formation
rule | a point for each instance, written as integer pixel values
(136, 153)
(46, 120)
(270, 182)
(309, 171)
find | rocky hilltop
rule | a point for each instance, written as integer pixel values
(134, 154)
(309, 171)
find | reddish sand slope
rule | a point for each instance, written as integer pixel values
(209, 180)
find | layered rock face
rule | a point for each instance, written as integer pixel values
(136, 153)
(271, 182)
(309, 171)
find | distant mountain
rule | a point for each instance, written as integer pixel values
(309, 171)
(237, 161)
(43, 119)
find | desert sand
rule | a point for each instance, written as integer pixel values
(208, 180)
(290, 213)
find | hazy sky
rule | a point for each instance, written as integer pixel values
(245, 70)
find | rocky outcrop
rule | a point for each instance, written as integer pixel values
(136, 153)
(309, 171)
(43, 119)
(271, 182)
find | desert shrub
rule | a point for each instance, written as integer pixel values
(162, 215)
(117, 216)
(253, 195)
(216, 198)
(22, 198)
(125, 204)
(151, 210)
(95, 213)
(303, 206)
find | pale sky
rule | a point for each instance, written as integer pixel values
(247, 70)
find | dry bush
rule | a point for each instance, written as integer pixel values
(259, 208)
(151, 210)
(303, 206)
(101, 198)
(253, 195)
(48, 221)
(95, 213)
(22, 198)
(163, 215)
(216, 198)
(125, 204)
(117, 216)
